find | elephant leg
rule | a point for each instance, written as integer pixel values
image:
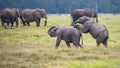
(28, 23)
(80, 45)
(16, 23)
(24, 24)
(105, 42)
(76, 44)
(68, 44)
(7, 26)
(12, 23)
(38, 22)
(98, 43)
(58, 41)
(99, 38)
(3, 23)
(45, 22)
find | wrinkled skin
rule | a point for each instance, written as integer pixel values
(77, 13)
(69, 34)
(9, 16)
(30, 15)
(98, 31)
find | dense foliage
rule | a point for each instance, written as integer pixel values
(64, 6)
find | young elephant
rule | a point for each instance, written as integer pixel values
(69, 34)
(98, 31)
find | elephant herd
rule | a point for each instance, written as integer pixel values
(10, 15)
(70, 34)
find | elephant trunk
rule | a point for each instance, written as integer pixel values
(18, 12)
(73, 23)
(96, 17)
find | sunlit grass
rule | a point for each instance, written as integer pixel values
(32, 47)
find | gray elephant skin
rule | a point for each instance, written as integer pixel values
(30, 15)
(98, 31)
(69, 34)
(77, 13)
(9, 16)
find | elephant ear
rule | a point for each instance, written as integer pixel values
(84, 19)
(52, 31)
(52, 28)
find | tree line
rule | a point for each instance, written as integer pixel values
(64, 6)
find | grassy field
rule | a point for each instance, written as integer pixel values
(31, 47)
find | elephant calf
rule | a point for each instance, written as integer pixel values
(69, 34)
(98, 31)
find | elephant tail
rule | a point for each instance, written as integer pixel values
(112, 40)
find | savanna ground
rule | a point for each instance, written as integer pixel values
(31, 47)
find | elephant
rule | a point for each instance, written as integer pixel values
(9, 16)
(77, 13)
(70, 34)
(98, 31)
(30, 15)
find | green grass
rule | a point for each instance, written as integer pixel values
(95, 64)
(32, 47)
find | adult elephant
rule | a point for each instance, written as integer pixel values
(77, 13)
(9, 16)
(98, 31)
(30, 15)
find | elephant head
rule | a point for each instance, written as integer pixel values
(52, 31)
(94, 14)
(43, 14)
(81, 20)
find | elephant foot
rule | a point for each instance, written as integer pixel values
(105, 46)
(81, 46)
(98, 45)
(12, 27)
(6, 27)
(16, 26)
